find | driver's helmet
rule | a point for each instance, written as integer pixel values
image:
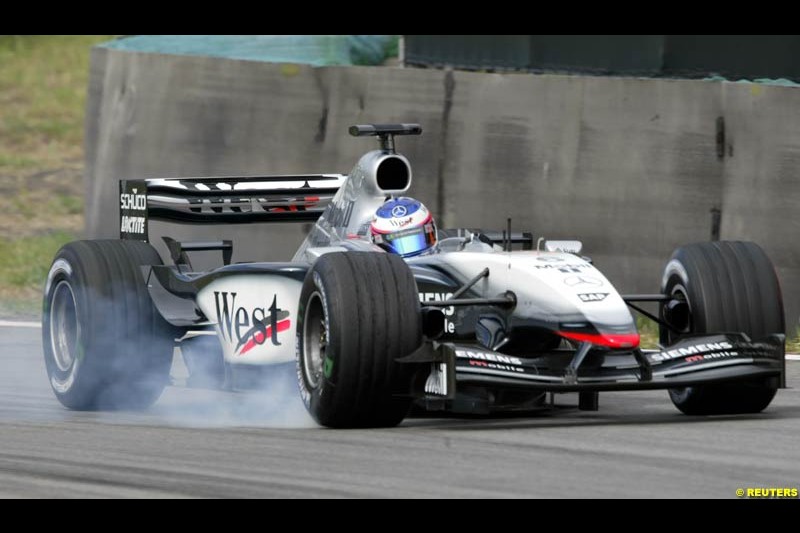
(404, 226)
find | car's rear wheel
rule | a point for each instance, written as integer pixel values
(725, 286)
(105, 345)
(359, 312)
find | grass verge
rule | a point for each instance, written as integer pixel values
(43, 83)
(648, 332)
(24, 263)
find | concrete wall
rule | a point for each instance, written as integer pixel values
(629, 166)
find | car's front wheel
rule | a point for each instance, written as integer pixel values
(722, 286)
(359, 312)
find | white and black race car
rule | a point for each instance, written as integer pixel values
(491, 321)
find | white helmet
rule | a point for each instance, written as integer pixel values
(403, 226)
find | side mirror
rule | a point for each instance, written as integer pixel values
(569, 247)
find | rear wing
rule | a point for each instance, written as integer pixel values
(224, 200)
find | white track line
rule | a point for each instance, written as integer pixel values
(16, 324)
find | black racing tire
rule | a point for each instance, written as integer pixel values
(106, 347)
(728, 286)
(358, 313)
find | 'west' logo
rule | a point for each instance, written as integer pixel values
(249, 328)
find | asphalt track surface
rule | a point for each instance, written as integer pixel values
(198, 443)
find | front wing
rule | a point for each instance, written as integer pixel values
(696, 360)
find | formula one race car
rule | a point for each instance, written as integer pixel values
(476, 326)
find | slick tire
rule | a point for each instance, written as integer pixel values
(728, 286)
(105, 346)
(358, 313)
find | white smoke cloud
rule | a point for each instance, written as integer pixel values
(276, 403)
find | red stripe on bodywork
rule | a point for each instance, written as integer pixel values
(609, 340)
(259, 338)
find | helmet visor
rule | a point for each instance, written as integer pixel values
(411, 241)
